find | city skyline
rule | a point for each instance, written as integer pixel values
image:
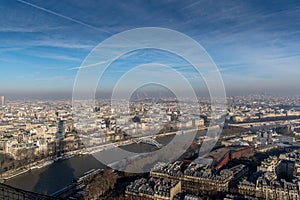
(254, 44)
(152, 100)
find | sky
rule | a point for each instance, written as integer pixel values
(255, 44)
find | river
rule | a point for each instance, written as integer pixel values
(51, 178)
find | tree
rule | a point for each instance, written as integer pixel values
(101, 185)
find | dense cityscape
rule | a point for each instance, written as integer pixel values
(257, 155)
(149, 100)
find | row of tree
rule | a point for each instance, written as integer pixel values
(101, 185)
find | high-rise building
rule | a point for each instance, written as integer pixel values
(2, 101)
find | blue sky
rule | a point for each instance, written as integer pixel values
(255, 44)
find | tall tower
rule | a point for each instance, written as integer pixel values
(2, 101)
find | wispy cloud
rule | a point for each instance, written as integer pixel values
(56, 57)
(29, 29)
(252, 43)
(89, 65)
(61, 15)
(52, 78)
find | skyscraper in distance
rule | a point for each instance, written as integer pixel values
(2, 101)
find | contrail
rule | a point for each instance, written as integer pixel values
(72, 20)
(63, 16)
(90, 65)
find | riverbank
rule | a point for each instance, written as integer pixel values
(58, 175)
(88, 151)
(32, 166)
(55, 176)
(47, 161)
